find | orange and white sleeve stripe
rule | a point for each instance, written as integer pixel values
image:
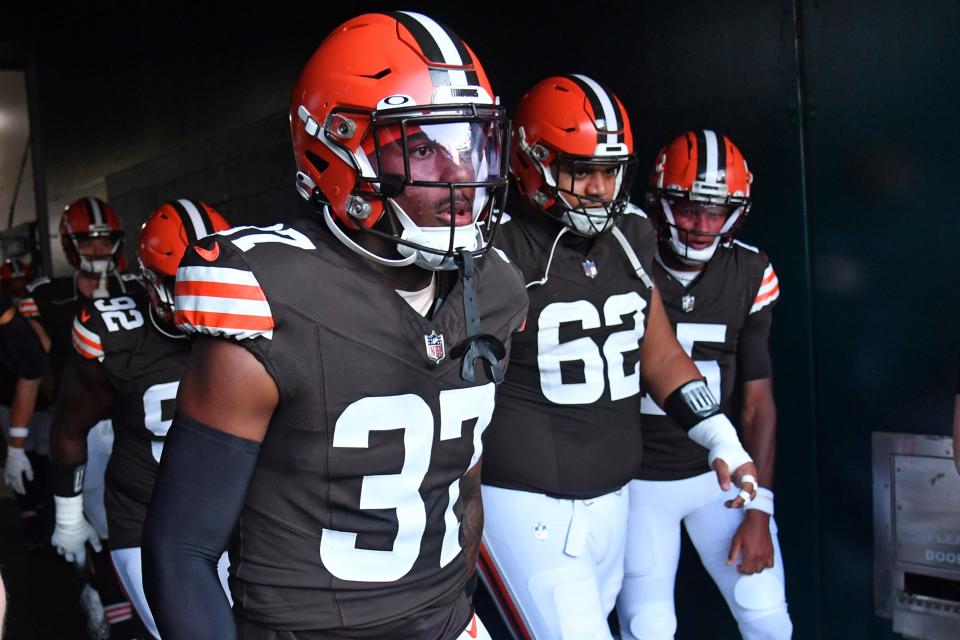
(86, 342)
(28, 307)
(222, 302)
(769, 290)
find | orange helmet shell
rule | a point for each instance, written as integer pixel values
(173, 227)
(13, 269)
(89, 217)
(373, 62)
(703, 166)
(569, 115)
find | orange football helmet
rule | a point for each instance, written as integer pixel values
(572, 125)
(701, 167)
(164, 238)
(86, 219)
(383, 94)
(14, 276)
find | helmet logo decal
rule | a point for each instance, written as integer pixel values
(398, 100)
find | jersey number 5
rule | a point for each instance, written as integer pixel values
(552, 353)
(687, 334)
(401, 492)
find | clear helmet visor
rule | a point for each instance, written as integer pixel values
(441, 181)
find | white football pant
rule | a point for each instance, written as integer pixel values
(645, 606)
(561, 561)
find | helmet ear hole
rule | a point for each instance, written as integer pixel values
(318, 163)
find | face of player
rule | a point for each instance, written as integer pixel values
(698, 223)
(596, 182)
(442, 153)
(96, 247)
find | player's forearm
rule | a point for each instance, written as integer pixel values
(663, 363)
(472, 516)
(758, 424)
(22, 406)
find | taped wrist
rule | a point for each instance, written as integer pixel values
(691, 403)
(67, 479)
(69, 513)
(763, 501)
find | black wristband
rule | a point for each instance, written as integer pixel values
(67, 479)
(691, 403)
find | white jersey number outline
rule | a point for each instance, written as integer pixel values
(401, 492)
(689, 333)
(551, 353)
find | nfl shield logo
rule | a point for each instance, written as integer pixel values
(590, 268)
(687, 302)
(435, 348)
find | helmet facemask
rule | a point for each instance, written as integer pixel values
(96, 262)
(585, 214)
(160, 289)
(678, 238)
(439, 176)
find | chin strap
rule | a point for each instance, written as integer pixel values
(486, 348)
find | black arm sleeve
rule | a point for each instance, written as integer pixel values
(753, 350)
(20, 349)
(197, 499)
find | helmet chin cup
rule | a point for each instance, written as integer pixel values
(433, 250)
(99, 266)
(590, 222)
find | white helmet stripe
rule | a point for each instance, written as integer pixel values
(606, 104)
(712, 157)
(95, 212)
(448, 49)
(199, 228)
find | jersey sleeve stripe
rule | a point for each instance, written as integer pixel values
(222, 275)
(766, 298)
(769, 275)
(28, 308)
(222, 301)
(232, 306)
(218, 290)
(86, 342)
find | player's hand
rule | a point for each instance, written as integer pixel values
(18, 466)
(753, 540)
(72, 532)
(744, 477)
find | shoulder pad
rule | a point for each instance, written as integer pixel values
(217, 294)
(744, 245)
(36, 283)
(635, 210)
(769, 290)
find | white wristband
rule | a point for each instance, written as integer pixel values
(763, 501)
(19, 432)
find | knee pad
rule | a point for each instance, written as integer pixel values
(568, 600)
(650, 621)
(762, 605)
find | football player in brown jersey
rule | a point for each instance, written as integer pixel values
(718, 293)
(331, 414)
(565, 436)
(129, 360)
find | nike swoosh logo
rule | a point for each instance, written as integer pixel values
(84, 316)
(210, 255)
(472, 631)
